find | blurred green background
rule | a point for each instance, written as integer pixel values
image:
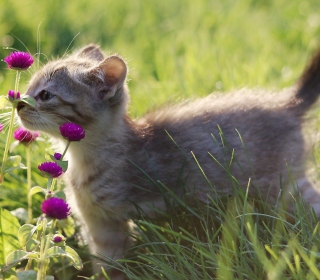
(175, 48)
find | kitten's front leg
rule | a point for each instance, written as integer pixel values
(109, 239)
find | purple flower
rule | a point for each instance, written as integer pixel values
(50, 169)
(13, 95)
(58, 238)
(55, 208)
(72, 131)
(57, 156)
(25, 136)
(1, 127)
(19, 60)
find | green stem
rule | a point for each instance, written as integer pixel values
(16, 85)
(6, 149)
(45, 243)
(53, 182)
(42, 245)
(49, 184)
(29, 263)
(29, 183)
(65, 150)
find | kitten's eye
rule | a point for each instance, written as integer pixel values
(45, 95)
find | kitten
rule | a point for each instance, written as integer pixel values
(120, 162)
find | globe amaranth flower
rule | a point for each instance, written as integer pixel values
(58, 238)
(50, 169)
(13, 95)
(19, 60)
(1, 127)
(57, 156)
(25, 136)
(55, 208)
(72, 131)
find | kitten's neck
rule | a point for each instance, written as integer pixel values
(117, 139)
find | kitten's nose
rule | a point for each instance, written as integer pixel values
(20, 106)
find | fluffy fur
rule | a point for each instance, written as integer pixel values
(120, 162)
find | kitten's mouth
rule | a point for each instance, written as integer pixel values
(24, 115)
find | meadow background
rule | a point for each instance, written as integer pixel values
(178, 49)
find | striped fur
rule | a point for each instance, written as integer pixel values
(120, 162)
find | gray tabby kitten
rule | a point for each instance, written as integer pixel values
(107, 169)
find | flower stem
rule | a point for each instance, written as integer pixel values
(49, 184)
(16, 85)
(6, 149)
(45, 243)
(53, 182)
(29, 183)
(65, 150)
(29, 263)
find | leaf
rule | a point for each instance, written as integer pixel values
(25, 233)
(69, 253)
(37, 189)
(62, 163)
(20, 213)
(60, 194)
(15, 162)
(9, 227)
(51, 157)
(27, 275)
(3, 102)
(13, 145)
(77, 263)
(22, 166)
(36, 228)
(68, 226)
(32, 245)
(18, 256)
(55, 251)
(29, 100)
(9, 271)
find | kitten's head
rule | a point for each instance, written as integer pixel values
(86, 88)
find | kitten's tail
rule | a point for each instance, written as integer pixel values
(308, 87)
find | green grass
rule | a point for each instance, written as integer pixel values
(231, 242)
(178, 50)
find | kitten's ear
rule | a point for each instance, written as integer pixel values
(112, 71)
(91, 51)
